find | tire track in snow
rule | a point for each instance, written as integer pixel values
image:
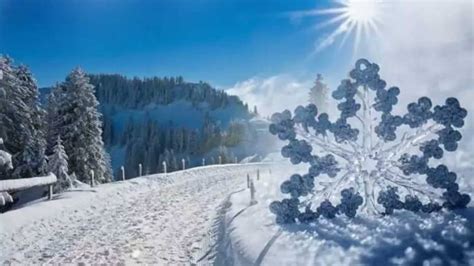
(267, 247)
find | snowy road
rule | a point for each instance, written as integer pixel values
(150, 220)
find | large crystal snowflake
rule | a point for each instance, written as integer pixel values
(357, 162)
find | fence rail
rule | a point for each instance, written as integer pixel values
(12, 185)
(24, 183)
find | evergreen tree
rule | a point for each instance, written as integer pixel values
(57, 164)
(52, 121)
(318, 94)
(255, 112)
(80, 127)
(21, 118)
(235, 134)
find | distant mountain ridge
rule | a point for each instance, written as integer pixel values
(153, 120)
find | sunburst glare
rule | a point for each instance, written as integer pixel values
(358, 18)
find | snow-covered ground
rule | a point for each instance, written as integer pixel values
(157, 219)
(204, 216)
(445, 238)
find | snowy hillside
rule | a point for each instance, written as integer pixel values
(151, 120)
(158, 219)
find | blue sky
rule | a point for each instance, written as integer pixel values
(222, 42)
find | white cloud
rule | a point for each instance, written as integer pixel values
(427, 48)
(272, 94)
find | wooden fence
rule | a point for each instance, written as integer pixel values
(12, 185)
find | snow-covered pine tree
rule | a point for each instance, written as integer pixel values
(57, 164)
(52, 120)
(21, 118)
(318, 94)
(223, 152)
(34, 159)
(255, 111)
(79, 125)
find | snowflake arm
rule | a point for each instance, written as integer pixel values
(373, 177)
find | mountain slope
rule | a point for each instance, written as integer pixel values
(154, 120)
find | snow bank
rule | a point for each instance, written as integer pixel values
(402, 238)
(19, 184)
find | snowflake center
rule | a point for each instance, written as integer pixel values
(368, 164)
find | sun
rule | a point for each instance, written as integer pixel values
(358, 18)
(361, 11)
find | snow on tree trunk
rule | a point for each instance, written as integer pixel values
(359, 156)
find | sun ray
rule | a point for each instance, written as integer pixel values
(357, 39)
(342, 29)
(317, 12)
(360, 18)
(348, 33)
(338, 18)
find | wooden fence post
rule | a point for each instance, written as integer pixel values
(123, 172)
(92, 178)
(203, 161)
(248, 181)
(252, 193)
(258, 174)
(183, 162)
(164, 167)
(220, 159)
(50, 191)
(139, 169)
